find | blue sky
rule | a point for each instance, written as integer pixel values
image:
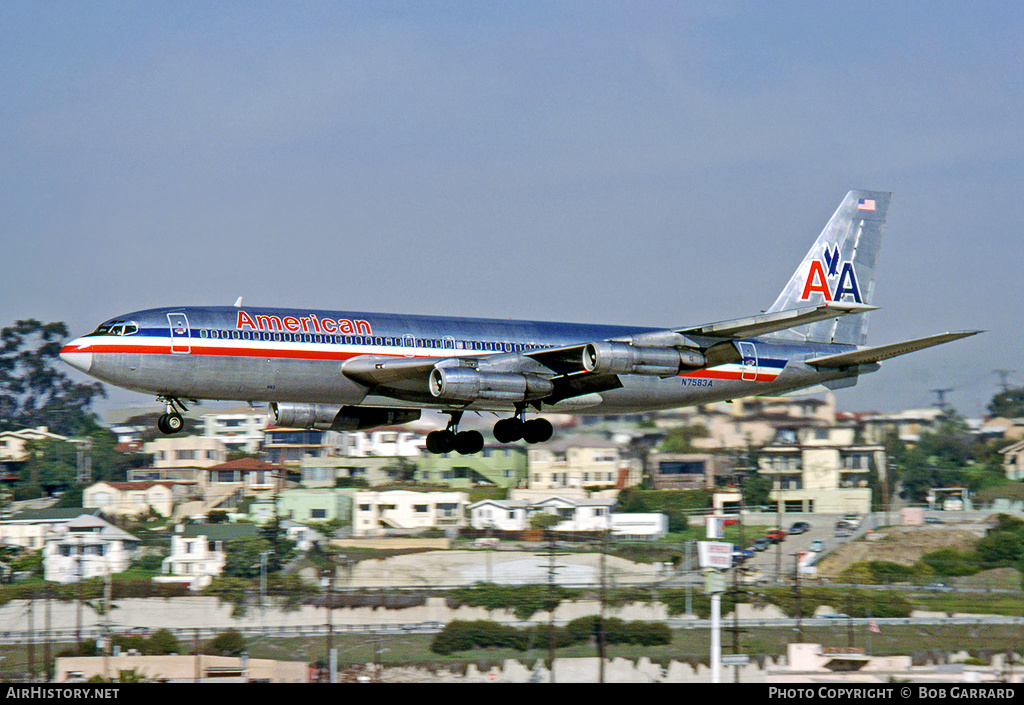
(650, 163)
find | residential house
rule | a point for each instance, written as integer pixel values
(87, 547)
(405, 511)
(1013, 461)
(685, 471)
(304, 504)
(14, 445)
(288, 446)
(500, 514)
(387, 441)
(327, 470)
(908, 424)
(198, 552)
(186, 451)
(496, 465)
(822, 470)
(136, 498)
(581, 462)
(304, 536)
(577, 513)
(30, 528)
(239, 430)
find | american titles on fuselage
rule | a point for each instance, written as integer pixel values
(301, 324)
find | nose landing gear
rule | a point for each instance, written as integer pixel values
(172, 421)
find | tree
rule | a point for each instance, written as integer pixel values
(680, 438)
(242, 557)
(757, 490)
(33, 391)
(1008, 404)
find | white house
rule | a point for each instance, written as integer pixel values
(87, 547)
(377, 513)
(501, 514)
(303, 536)
(238, 429)
(198, 553)
(390, 442)
(31, 527)
(591, 514)
(577, 513)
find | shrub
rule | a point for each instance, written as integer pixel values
(163, 642)
(229, 643)
(951, 562)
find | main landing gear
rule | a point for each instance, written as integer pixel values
(462, 442)
(515, 429)
(172, 421)
(505, 431)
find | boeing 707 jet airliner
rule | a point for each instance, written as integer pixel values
(345, 371)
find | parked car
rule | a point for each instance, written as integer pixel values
(816, 546)
(775, 535)
(799, 527)
(932, 520)
(762, 544)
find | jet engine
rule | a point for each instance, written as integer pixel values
(345, 418)
(464, 384)
(622, 358)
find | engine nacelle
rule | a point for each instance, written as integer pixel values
(622, 358)
(465, 384)
(345, 418)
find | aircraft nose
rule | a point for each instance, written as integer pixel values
(72, 355)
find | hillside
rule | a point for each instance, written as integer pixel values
(898, 544)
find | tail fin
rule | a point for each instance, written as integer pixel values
(840, 266)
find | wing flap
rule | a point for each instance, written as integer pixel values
(884, 352)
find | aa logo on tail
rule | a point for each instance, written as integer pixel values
(831, 268)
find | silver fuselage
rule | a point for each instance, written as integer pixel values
(280, 355)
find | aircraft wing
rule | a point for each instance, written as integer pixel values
(884, 352)
(780, 320)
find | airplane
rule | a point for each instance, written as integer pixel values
(345, 370)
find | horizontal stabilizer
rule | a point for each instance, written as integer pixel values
(779, 320)
(884, 352)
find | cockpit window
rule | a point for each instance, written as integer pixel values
(116, 328)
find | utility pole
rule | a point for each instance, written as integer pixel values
(796, 591)
(46, 637)
(31, 640)
(1004, 376)
(600, 614)
(551, 601)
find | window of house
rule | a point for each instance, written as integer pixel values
(318, 514)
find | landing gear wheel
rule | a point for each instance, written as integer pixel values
(441, 442)
(170, 423)
(174, 423)
(537, 431)
(469, 442)
(508, 430)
